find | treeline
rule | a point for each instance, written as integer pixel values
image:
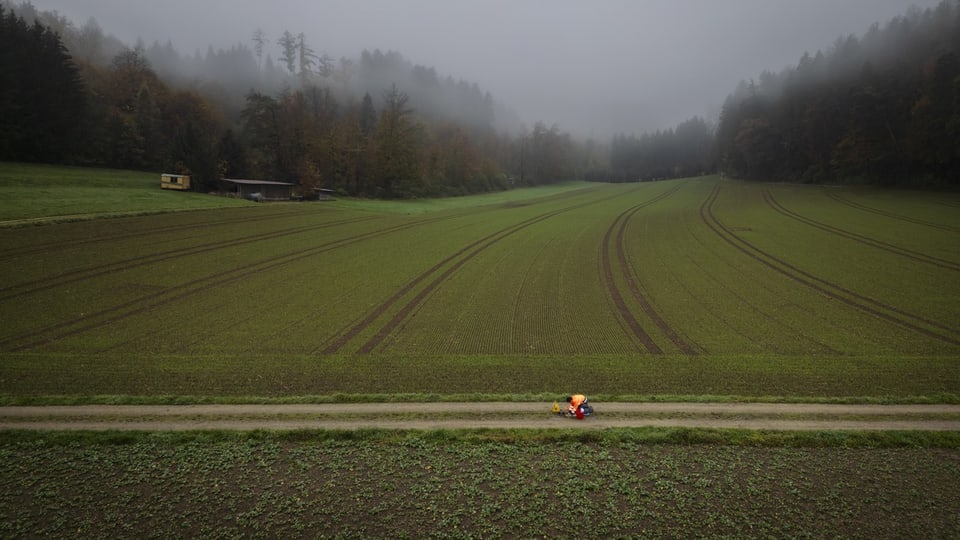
(42, 96)
(53, 110)
(884, 108)
(314, 131)
(673, 153)
(880, 109)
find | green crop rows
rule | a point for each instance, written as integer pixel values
(700, 289)
(409, 485)
(761, 290)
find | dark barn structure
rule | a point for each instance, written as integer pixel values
(258, 190)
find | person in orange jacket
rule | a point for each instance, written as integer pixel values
(576, 401)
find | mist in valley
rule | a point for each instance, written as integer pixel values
(426, 98)
(592, 68)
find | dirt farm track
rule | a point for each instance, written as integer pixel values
(493, 415)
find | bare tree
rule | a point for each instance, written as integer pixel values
(288, 48)
(259, 41)
(308, 59)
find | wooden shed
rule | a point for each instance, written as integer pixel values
(180, 182)
(258, 190)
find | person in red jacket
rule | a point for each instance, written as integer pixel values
(576, 402)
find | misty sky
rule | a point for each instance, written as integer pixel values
(593, 67)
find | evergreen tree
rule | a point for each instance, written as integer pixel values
(549, 157)
(368, 116)
(880, 109)
(397, 148)
(261, 131)
(42, 97)
(232, 157)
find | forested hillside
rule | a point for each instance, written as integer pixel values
(42, 96)
(883, 108)
(376, 126)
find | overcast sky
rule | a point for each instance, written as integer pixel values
(593, 67)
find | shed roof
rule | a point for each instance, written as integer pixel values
(257, 182)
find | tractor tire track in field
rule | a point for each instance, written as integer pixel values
(465, 254)
(892, 215)
(58, 245)
(626, 270)
(477, 246)
(917, 256)
(169, 295)
(865, 304)
(82, 274)
(57, 331)
(484, 209)
(717, 284)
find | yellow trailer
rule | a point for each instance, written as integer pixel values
(175, 181)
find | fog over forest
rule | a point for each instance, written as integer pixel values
(593, 68)
(418, 99)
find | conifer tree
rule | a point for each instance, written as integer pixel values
(42, 97)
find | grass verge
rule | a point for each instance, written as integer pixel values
(612, 436)
(310, 378)
(120, 399)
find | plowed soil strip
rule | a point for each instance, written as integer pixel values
(884, 213)
(855, 300)
(628, 274)
(437, 415)
(113, 314)
(917, 256)
(73, 276)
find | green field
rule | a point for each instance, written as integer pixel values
(48, 193)
(698, 287)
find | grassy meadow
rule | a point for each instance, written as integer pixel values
(698, 289)
(49, 193)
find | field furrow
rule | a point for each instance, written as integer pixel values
(452, 263)
(702, 285)
(183, 291)
(910, 254)
(690, 281)
(626, 315)
(892, 215)
(629, 275)
(148, 228)
(875, 308)
(81, 274)
(477, 248)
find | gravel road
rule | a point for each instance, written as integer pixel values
(449, 415)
